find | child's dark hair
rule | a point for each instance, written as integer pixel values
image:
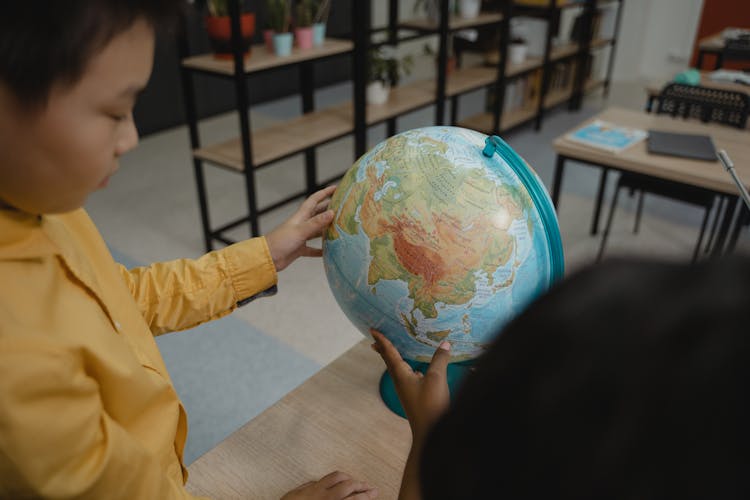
(629, 380)
(49, 43)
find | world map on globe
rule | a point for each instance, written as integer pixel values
(432, 241)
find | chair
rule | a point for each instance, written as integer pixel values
(708, 105)
(737, 49)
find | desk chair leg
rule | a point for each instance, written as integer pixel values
(605, 234)
(638, 213)
(700, 235)
(650, 103)
(726, 222)
(715, 223)
(598, 203)
(742, 221)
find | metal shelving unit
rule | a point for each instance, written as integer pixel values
(255, 149)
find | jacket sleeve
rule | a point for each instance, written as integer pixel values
(56, 439)
(181, 294)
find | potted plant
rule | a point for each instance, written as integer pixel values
(469, 9)
(219, 28)
(319, 22)
(385, 70)
(303, 31)
(517, 50)
(279, 21)
(431, 9)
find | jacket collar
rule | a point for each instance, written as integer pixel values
(25, 236)
(22, 236)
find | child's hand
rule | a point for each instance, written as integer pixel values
(335, 486)
(424, 397)
(289, 240)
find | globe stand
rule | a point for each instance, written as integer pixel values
(456, 374)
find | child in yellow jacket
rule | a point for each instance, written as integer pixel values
(87, 408)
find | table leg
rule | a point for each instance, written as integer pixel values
(599, 199)
(726, 221)
(557, 180)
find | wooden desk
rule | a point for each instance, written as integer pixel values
(334, 421)
(654, 89)
(637, 159)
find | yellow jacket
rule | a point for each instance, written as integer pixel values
(87, 408)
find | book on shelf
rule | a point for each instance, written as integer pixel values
(607, 136)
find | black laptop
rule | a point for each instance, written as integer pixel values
(695, 146)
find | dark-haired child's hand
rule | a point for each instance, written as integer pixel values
(289, 240)
(424, 397)
(335, 486)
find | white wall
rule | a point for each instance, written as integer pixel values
(656, 38)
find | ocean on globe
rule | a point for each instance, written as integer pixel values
(437, 238)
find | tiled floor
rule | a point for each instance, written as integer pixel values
(150, 212)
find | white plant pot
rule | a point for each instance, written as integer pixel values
(517, 52)
(377, 92)
(469, 9)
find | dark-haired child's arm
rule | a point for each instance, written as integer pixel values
(424, 398)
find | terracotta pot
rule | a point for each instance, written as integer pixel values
(220, 34)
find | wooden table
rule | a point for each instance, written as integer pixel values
(654, 89)
(334, 421)
(636, 159)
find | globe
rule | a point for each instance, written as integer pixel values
(440, 233)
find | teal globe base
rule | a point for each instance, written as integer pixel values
(456, 374)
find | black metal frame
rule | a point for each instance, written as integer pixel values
(361, 32)
(360, 21)
(551, 13)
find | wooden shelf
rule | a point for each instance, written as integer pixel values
(483, 121)
(529, 64)
(402, 99)
(600, 42)
(462, 80)
(543, 4)
(555, 97)
(281, 140)
(592, 84)
(564, 50)
(260, 59)
(455, 23)
(314, 128)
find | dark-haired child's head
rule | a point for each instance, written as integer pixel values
(629, 380)
(69, 76)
